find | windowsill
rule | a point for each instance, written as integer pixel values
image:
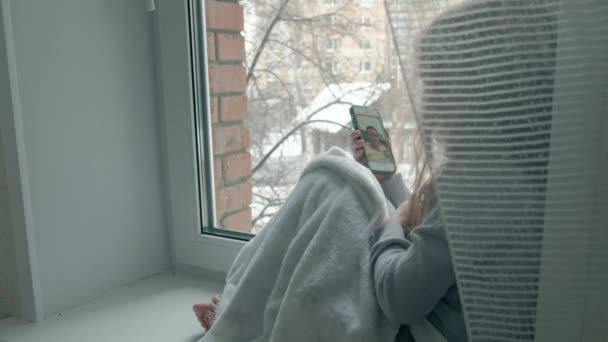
(154, 309)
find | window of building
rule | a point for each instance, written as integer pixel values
(331, 44)
(329, 2)
(331, 67)
(332, 20)
(365, 44)
(367, 3)
(366, 21)
(365, 66)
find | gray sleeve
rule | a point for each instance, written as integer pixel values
(411, 276)
(395, 190)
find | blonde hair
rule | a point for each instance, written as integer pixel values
(421, 189)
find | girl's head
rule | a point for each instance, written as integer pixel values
(374, 137)
(486, 71)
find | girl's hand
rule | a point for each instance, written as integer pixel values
(401, 215)
(356, 144)
(407, 220)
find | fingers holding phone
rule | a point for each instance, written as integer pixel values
(357, 145)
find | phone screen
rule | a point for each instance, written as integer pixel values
(375, 143)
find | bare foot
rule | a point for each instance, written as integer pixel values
(205, 312)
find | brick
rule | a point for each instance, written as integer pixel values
(240, 221)
(245, 137)
(211, 46)
(224, 16)
(213, 107)
(233, 198)
(229, 139)
(237, 166)
(231, 47)
(233, 108)
(227, 78)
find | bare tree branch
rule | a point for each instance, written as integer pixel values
(278, 78)
(315, 63)
(264, 40)
(317, 17)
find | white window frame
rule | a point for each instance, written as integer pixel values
(365, 44)
(364, 70)
(331, 44)
(333, 70)
(332, 20)
(190, 249)
(366, 3)
(366, 22)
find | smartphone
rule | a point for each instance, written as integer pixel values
(377, 154)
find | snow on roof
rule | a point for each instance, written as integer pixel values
(335, 100)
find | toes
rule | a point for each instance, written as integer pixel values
(199, 309)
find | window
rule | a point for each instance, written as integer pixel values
(367, 3)
(329, 2)
(258, 132)
(332, 20)
(216, 162)
(331, 44)
(365, 67)
(366, 21)
(331, 67)
(365, 44)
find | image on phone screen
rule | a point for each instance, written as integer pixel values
(375, 142)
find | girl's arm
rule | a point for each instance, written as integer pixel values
(410, 277)
(395, 190)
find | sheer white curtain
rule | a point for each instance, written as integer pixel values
(512, 99)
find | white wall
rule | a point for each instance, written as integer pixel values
(85, 75)
(9, 294)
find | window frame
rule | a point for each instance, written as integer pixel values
(366, 22)
(365, 43)
(184, 139)
(331, 45)
(362, 68)
(333, 70)
(366, 3)
(332, 20)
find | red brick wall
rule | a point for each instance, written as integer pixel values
(232, 161)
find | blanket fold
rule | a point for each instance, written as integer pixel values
(306, 277)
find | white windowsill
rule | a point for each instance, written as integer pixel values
(154, 309)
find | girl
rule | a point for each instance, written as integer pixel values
(412, 268)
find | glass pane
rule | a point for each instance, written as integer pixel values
(283, 76)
